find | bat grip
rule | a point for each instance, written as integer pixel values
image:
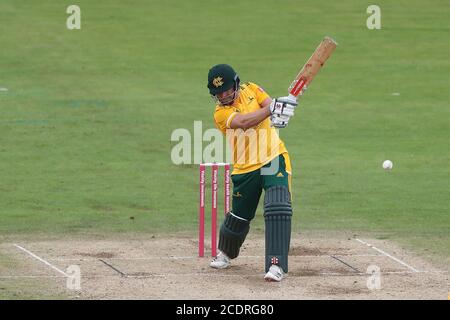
(298, 86)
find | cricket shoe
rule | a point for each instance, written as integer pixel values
(275, 273)
(221, 261)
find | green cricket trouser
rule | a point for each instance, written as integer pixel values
(247, 187)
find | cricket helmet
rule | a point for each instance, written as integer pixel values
(221, 78)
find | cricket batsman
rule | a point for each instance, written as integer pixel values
(246, 113)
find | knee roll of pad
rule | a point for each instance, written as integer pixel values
(277, 216)
(232, 235)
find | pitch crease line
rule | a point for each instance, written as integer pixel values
(196, 257)
(41, 260)
(158, 275)
(388, 255)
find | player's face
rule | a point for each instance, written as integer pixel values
(227, 97)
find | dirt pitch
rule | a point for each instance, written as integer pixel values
(168, 268)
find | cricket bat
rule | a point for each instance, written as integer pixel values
(312, 67)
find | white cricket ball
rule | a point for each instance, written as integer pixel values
(387, 165)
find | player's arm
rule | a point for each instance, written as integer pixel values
(245, 121)
(266, 102)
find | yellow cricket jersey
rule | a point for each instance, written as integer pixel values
(254, 147)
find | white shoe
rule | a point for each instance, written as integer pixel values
(275, 273)
(221, 261)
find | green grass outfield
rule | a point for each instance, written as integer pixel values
(86, 121)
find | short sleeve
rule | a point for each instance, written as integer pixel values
(223, 117)
(259, 92)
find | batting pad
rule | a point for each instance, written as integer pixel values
(277, 216)
(232, 235)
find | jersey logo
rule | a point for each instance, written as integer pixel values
(218, 82)
(237, 195)
(280, 175)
